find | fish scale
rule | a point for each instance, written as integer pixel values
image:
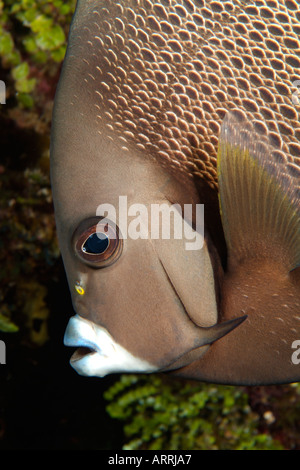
(171, 71)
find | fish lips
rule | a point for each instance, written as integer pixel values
(99, 354)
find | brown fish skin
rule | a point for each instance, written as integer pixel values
(159, 78)
(260, 350)
(166, 73)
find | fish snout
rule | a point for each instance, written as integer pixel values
(98, 354)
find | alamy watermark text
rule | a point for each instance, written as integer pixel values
(156, 221)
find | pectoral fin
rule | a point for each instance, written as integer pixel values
(260, 209)
(259, 196)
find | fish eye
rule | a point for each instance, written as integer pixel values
(96, 242)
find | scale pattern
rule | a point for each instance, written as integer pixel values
(163, 74)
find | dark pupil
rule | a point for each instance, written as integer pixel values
(96, 244)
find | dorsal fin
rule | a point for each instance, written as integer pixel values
(259, 196)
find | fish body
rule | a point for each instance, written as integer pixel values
(154, 104)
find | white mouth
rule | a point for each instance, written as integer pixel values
(98, 354)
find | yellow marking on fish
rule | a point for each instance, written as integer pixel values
(79, 289)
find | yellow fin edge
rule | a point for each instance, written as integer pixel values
(259, 199)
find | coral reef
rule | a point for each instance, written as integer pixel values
(160, 413)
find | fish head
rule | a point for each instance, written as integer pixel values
(143, 300)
